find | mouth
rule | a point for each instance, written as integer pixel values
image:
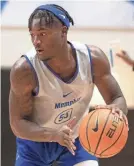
(39, 51)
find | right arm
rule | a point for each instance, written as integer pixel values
(21, 104)
(23, 83)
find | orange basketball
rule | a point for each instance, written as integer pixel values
(102, 133)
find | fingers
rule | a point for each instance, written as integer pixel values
(103, 107)
(114, 110)
(69, 143)
(122, 116)
(119, 55)
(68, 140)
(68, 137)
(123, 51)
(126, 121)
(67, 130)
(119, 112)
(71, 147)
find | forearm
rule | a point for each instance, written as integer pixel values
(31, 131)
(121, 104)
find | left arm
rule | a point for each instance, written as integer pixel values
(105, 82)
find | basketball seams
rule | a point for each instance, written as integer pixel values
(104, 151)
(102, 133)
(98, 155)
(84, 146)
(87, 129)
(115, 141)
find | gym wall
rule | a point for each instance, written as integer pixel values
(94, 27)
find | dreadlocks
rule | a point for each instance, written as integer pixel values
(48, 16)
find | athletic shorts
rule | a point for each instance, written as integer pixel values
(31, 153)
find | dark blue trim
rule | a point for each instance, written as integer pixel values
(76, 72)
(36, 91)
(91, 64)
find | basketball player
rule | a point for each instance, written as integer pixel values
(126, 58)
(51, 88)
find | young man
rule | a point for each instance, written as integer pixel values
(51, 88)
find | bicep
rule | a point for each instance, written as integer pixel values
(108, 87)
(20, 97)
(103, 79)
(20, 105)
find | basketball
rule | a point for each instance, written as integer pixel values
(102, 133)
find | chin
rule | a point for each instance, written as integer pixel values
(45, 59)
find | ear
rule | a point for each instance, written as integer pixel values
(64, 30)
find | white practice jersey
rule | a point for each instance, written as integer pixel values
(56, 101)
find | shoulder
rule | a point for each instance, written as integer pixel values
(100, 61)
(21, 74)
(97, 54)
(20, 68)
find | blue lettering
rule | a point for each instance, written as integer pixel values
(57, 105)
(65, 104)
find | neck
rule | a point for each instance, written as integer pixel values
(64, 61)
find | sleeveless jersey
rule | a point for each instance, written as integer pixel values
(56, 101)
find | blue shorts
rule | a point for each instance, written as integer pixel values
(31, 153)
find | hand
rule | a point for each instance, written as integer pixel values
(124, 56)
(64, 136)
(115, 110)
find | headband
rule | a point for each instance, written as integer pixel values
(57, 12)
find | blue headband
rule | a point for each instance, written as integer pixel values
(57, 12)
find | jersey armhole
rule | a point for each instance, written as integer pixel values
(35, 92)
(91, 64)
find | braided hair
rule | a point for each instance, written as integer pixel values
(48, 16)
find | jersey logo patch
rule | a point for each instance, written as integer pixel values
(63, 116)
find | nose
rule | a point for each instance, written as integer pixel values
(36, 40)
